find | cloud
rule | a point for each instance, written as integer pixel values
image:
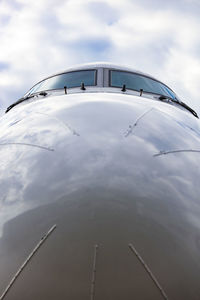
(47, 36)
(104, 12)
(92, 47)
(3, 66)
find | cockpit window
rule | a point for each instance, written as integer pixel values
(137, 82)
(70, 80)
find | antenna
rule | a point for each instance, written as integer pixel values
(83, 86)
(123, 88)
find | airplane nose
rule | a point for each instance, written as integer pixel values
(87, 255)
(95, 202)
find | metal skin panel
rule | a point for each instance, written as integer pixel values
(92, 165)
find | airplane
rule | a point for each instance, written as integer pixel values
(99, 189)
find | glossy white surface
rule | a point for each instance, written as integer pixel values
(107, 169)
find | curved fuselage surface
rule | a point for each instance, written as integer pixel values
(110, 182)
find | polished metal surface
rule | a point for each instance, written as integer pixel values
(110, 171)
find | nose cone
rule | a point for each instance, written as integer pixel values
(119, 179)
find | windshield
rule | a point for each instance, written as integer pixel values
(70, 80)
(137, 82)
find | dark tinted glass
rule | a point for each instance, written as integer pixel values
(71, 79)
(137, 82)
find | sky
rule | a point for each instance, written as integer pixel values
(40, 38)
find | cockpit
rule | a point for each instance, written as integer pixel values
(125, 81)
(103, 77)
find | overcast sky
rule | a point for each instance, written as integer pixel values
(159, 37)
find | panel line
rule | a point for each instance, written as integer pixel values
(148, 271)
(92, 294)
(26, 144)
(26, 261)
